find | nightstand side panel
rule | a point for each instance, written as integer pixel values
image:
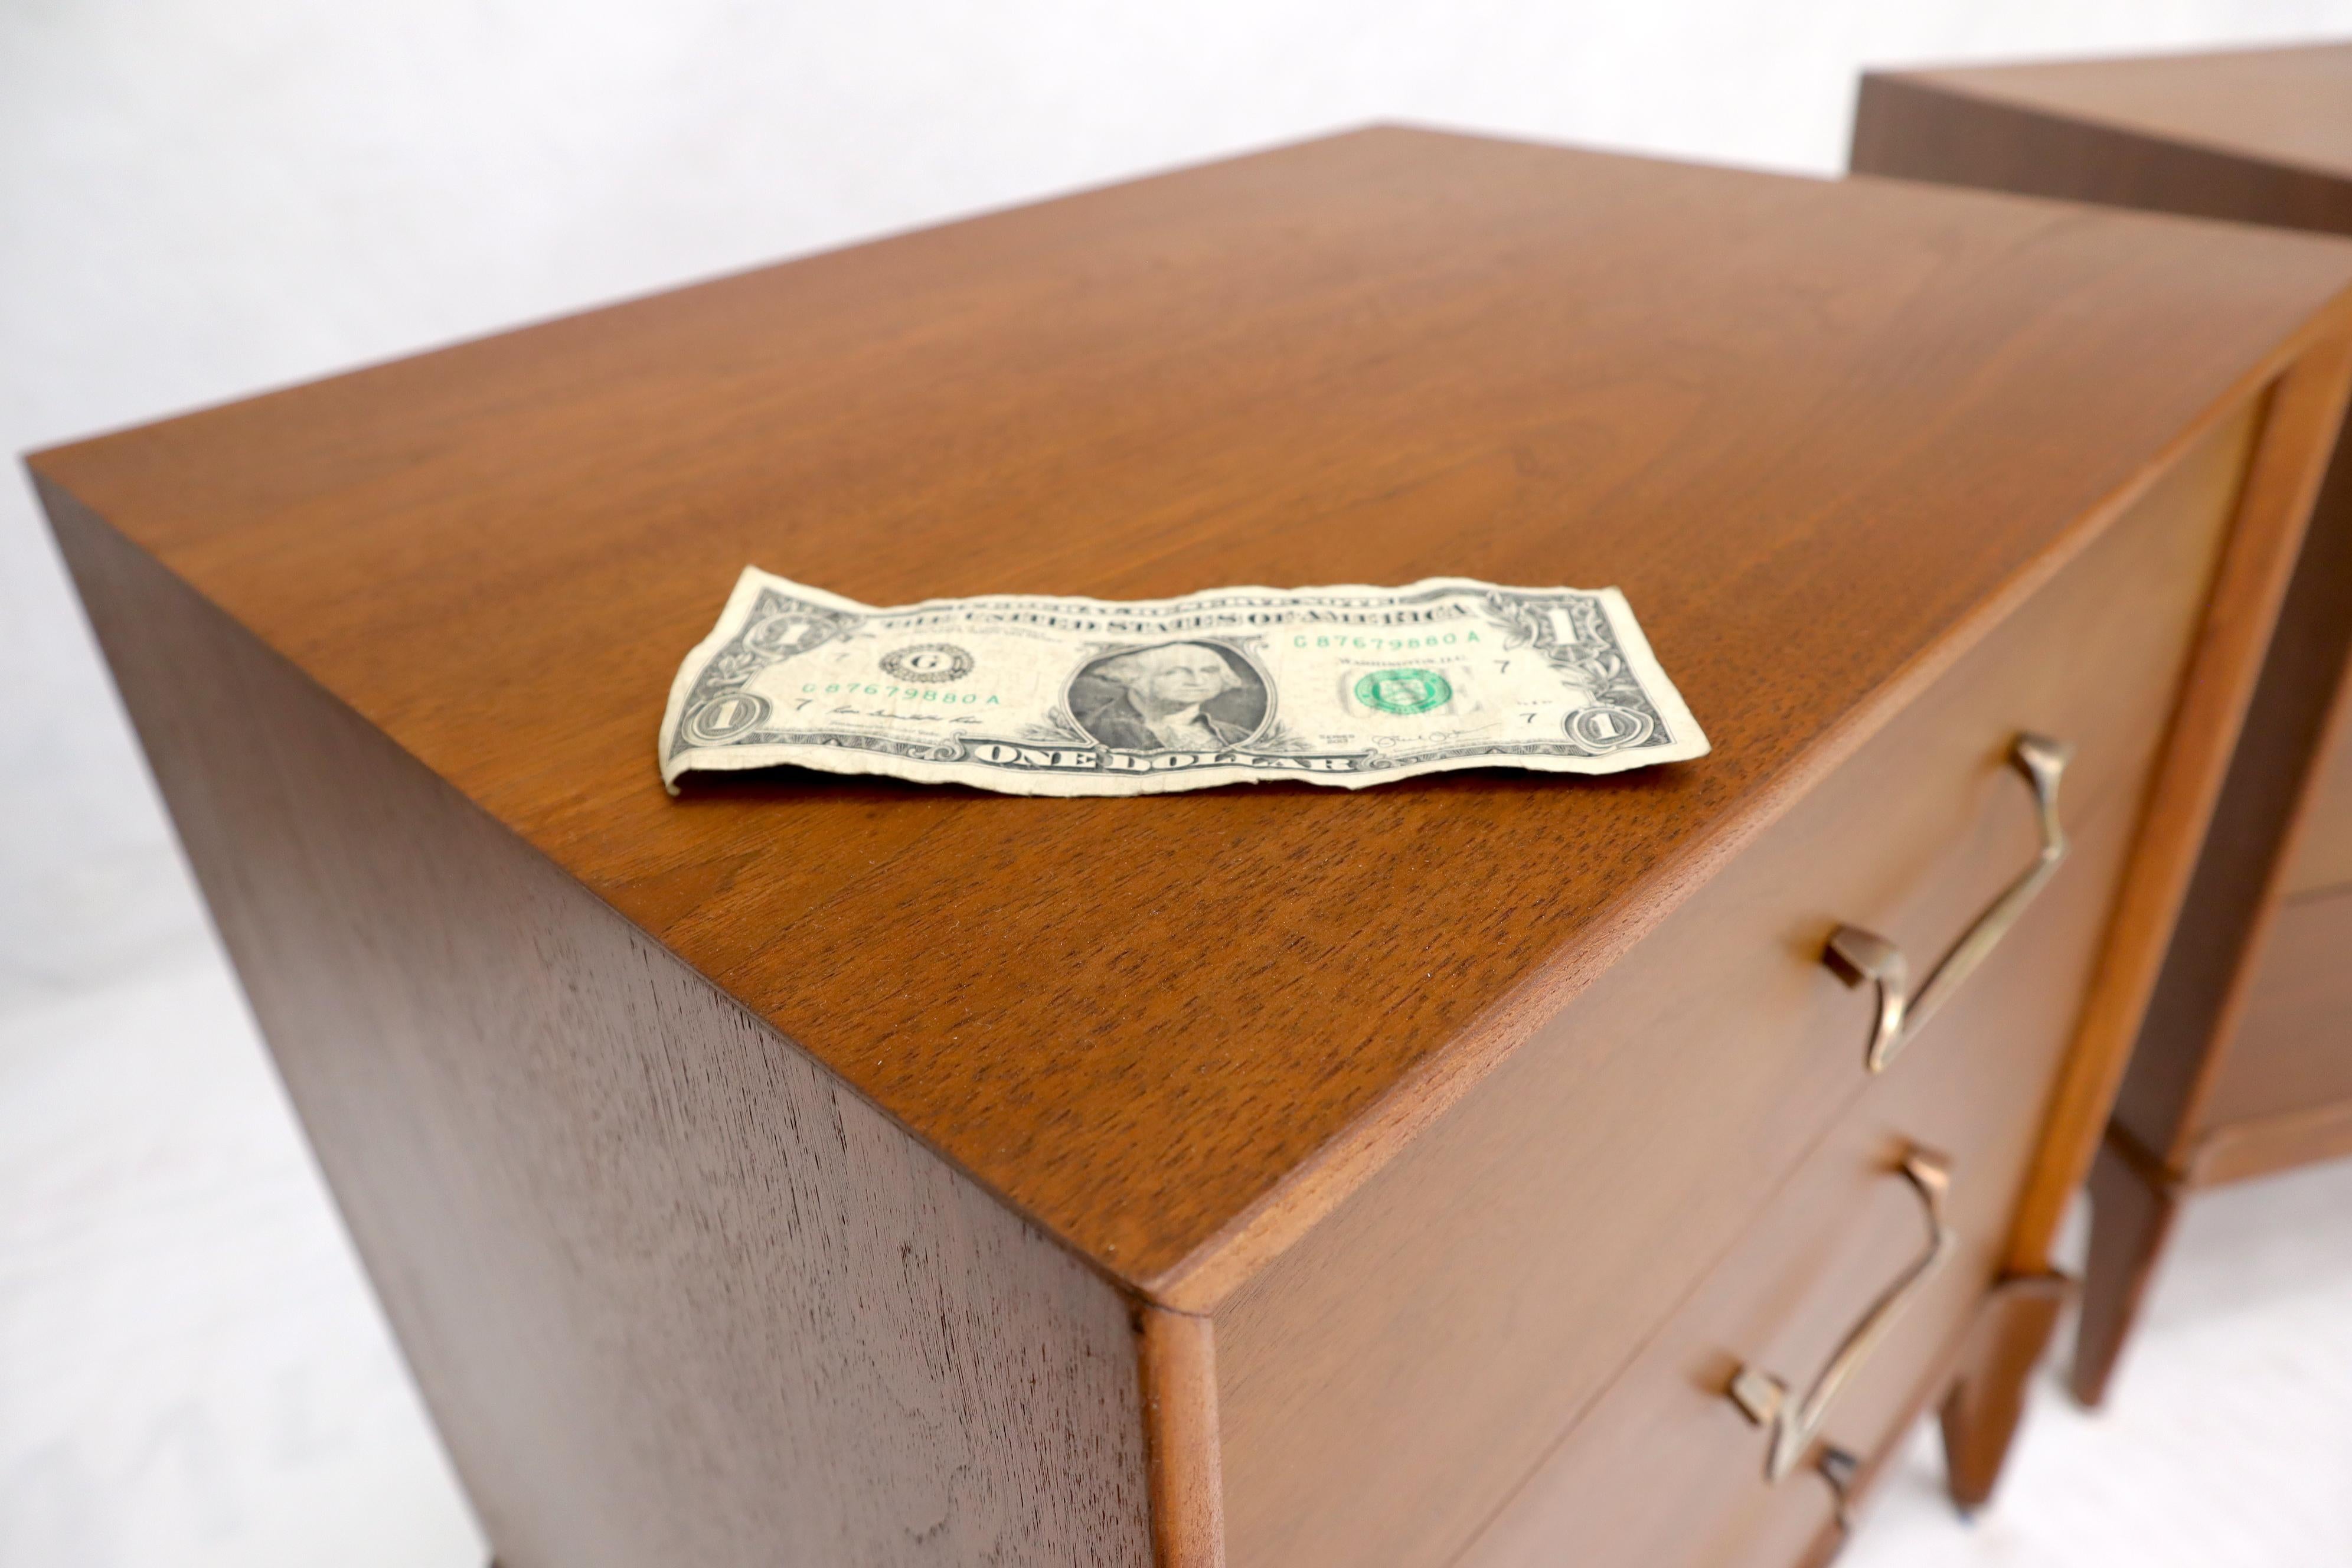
(672, 1292)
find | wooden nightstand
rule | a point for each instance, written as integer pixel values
(2245, 1064)
(826, 1172)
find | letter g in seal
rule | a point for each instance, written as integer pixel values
(926, 663)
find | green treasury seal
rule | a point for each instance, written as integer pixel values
(1403, 691)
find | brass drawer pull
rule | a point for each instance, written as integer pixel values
(1794, 1423)
(1858, 955)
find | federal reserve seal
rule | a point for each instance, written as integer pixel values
(1404, 690)
(929, 663)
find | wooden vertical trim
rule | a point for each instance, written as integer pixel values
(2282, 482)
(1178, 1362)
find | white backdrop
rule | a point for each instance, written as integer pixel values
(198, 201)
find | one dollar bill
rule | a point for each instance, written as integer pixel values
(1059, 696)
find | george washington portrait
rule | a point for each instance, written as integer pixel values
(1174, 697)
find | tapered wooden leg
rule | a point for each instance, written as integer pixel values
(1826, 1546)
(2133, 1204)
(1988, 1395)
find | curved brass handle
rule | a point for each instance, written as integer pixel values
(1794, 1423)
(1858, 955)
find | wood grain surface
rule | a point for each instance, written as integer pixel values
(2322, 852)
(1823, 436)
(671, 1292)
(2297, 1027)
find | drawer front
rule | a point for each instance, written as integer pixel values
(1385, 1383)
(1665, 1468)
(2292, 1051)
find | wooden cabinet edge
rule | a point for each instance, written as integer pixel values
(2306, 406)
(1176, 1359)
